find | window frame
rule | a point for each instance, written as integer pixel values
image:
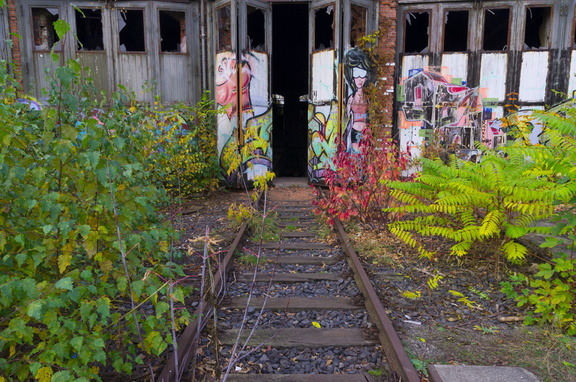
(508, 36)
(186, 33)
(120, 51)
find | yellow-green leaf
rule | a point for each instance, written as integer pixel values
(44, 374)
(316, 324)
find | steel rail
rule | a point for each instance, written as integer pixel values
(393, 348)
(188, 341)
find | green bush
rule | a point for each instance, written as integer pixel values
(494, 202)
(85, 255)
(183, 158)
(551, 292)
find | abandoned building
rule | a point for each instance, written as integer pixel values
(451, 66)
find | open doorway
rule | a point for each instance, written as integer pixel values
(290, 60)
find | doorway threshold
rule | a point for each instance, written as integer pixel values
(292, 182)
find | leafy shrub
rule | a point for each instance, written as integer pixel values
(551, 293)
(357, 182)
(84, 270)
(495, 202)
(183, 156)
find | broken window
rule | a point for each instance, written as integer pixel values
(224, 29)
(456, 31)
(537, 32)
(256, 29)
(417, 32)
(357, 23)
(45, 37)
(324, 28)
(131, 27)
(89, 29)
(496, 29)
(172, 31)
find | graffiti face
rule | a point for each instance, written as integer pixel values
(227, 83)
(358, 71)
(244, 153)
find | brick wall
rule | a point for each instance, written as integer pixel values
(386, 69)
(16, 51)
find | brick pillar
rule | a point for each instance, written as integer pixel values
(16, 51)
(386, 67)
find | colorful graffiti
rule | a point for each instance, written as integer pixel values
(358, 72)
(323, 139)
(323, 130)
(247, 152)
(431, 103)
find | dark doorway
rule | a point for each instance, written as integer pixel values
(289, 83)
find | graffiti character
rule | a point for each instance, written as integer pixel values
(247, 154)
(359, 72)
(227, 85)
(323, 136)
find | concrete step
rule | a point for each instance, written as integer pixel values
(465, 373)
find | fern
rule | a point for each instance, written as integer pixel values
(497, 200)
(514, 252)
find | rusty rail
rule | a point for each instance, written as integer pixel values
(393, 348)
(188, 340)
(395, 352)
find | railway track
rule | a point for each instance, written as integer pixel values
(296, 309)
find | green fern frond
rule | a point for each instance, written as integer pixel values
(515, 232)
(514, 252)
(407, 238)
(491, 224)
(442, 208)
(470, 233)
(467, 218)
(436, 231)
(542, 230)
(461, 249)
(405, 197)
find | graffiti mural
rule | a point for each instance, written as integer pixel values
(324, 134)
(244, 152)
(458, 114)
(323, 139)
(358, 72)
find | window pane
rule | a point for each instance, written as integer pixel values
(173, 31)
(417, 33)
(496, 23)
(324, 28)
(456, 31)
(537, 32)
(45, 36)
(89, 29)
(256, 29)
(357, 24)
(224, 29)
(131, 27)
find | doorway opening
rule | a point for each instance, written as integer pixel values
(290, 60)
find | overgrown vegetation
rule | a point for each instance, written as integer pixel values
(87, 281)
(494, 201)
(487, 206)
(500, 200)
(184, 154)
(551, 292)
(357, 183)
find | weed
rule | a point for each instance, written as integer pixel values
(486, 329)
(248, 259)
